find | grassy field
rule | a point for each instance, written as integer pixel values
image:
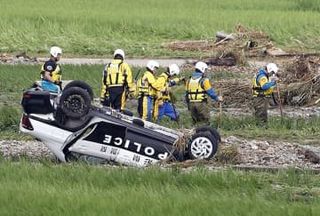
(49, 189)
(19, 77)
(98, 27)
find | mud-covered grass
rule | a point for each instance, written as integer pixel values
(49, 189)
(98, 27)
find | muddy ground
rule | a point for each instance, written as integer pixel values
(233, 151)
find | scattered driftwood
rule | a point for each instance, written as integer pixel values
(275, 52)
(222, 37)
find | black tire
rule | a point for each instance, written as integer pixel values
(80, 84)
(70, 124)
(212, 130)
(75, 102)
(203, 145)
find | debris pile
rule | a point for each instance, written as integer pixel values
(230, 49)
(301, 82)
(236, 93)
(268, 153)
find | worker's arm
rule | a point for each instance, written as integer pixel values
(128, 74)
(158, 83)
(47, 76)
(265, 83)
(103, 84)
(48, 68)
(210, 91)
(176, 81)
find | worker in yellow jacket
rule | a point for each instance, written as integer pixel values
(263, 85)
(51, 71)
(163, 103)
(198, 88)
(148, 86)
(117, 82)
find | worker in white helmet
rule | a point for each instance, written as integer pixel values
(163, 104)
(198, 88)
(51, 72)
(148, 86)
(117, 82)
(263, 85)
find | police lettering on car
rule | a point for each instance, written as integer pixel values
(137, 147)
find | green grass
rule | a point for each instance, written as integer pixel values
(48, 189)
(98, 27)
(300, 130)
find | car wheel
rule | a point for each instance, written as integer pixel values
(70, 124)
(75, 102)
(212, 130)
(80, 84)
(203, 145)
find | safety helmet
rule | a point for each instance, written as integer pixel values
(55, 51)
(152, 65)
(201, 66)
(118, 52)
(272, 67)
(174, 70)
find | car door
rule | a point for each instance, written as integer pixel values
(122, 143)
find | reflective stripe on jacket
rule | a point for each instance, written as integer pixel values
(195, 90)
(116, 73)
(148, 85)
(261, 85)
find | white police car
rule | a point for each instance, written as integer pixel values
(74, 129)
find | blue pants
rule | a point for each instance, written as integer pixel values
(166, 109)
(49, 86)
(150, 108)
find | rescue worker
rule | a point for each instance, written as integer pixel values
(51, 71)
(263, 86)
(117, 82)
(148, 86)
(164, 105)
(198, 88)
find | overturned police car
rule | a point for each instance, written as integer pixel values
(75, 129)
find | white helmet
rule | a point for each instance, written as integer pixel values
(55, 51)
(152, 65)
(272, 67)
(201, 66)
(174, 70)
(118, 52)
